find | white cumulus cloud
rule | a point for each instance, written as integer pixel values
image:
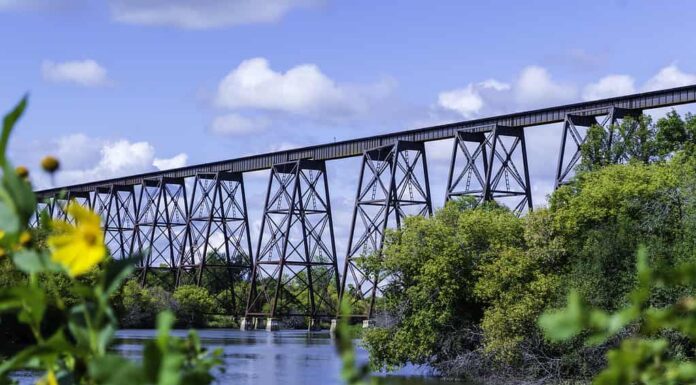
(303, 90)
(202, 14)
(466, 101)
(535, 87)
(85, 159)
(669, 77)
(169, 163)
(609, 86)
(86, 73)
(237, 125)
(469, 101)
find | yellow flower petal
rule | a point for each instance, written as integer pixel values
(80, 247)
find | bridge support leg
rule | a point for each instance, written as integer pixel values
(117, 206)
(160, 229)
(216, 251)
(44, 205)
(575, 127)
(504, 181)
(393, 183)
(295, 270)
(468, 167)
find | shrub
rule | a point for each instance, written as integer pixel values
(193, 304)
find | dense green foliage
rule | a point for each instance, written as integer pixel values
(649, 356)
(469, 283)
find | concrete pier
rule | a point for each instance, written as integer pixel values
(247, 323)
(314, 325)
(272, 324)
(332, 328)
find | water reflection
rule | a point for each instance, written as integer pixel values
(263, 358)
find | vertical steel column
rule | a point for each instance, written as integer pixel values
(393, 184)
(45, 204)
(216, 251)
(575, 126)
(508, 147)
(296, 268)
(160, 229)
(467, 173)
(117, 207)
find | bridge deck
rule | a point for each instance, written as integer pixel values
(355, 147)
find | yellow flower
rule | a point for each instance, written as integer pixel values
(80, 247)
(48, 379)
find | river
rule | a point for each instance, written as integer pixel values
(285, 357)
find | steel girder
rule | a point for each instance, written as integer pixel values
(296, 270)
(216, 252)
(356, 147)
(393, 184)
(160, 228)
(117, 207)
(574, 133)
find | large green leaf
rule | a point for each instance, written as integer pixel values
(7, 124)
(115, 370)
(9, 222)
(32, 261)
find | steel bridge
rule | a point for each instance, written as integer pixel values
(201, 236)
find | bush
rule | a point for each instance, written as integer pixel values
(140, 305)
(193, 305)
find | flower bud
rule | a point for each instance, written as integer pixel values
(50, 164)
(22, 172)
(24, 238)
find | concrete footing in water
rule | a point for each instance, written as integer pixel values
(332, 328)
(272, 324)
(368, 323)
(248, 323)
(314, 325)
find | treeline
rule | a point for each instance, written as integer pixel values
(469, 284)
(135, 306)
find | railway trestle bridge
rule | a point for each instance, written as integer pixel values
(201, 236)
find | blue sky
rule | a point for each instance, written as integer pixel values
(125, 86)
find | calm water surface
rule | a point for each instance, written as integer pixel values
(275, 358)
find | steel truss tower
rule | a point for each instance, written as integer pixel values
(576, 126)
(296, 271)
(160, 229)
(116, 205)
(216, 252)
(393, 184)
(486, 164)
